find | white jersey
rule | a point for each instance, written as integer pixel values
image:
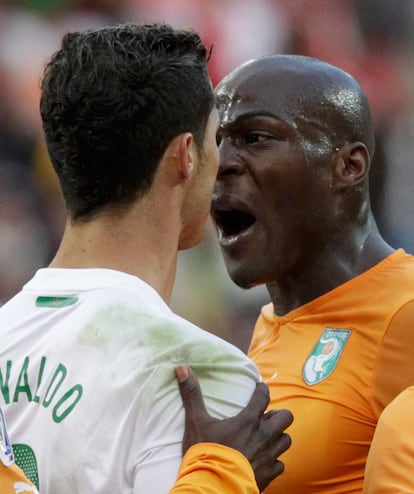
(87, 380)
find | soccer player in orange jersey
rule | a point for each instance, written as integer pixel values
(292, 211)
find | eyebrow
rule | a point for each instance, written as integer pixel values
(252, 114)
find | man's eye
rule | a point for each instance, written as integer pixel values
(256, 137)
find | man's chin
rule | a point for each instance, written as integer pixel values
(240, 277)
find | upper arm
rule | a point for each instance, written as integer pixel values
(390, 462)
(394, 370)
(227, 380)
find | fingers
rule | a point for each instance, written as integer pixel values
(190, 391)
(282, 444)
(266, 465)
(274, 440)
(258, 402)
(266, 474)
(279, 420)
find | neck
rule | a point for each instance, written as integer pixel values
(140, 242)
(337, 262)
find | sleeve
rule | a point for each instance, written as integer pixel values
(390, 462)
(214, 469)
(394, 371)
(227, 379)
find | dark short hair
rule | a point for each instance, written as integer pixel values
(112, 100)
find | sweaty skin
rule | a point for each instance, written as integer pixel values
(285, 149)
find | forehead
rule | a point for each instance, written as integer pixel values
(254, 89)
(310, 97)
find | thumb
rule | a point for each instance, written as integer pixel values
(190, 391)
(195, 410)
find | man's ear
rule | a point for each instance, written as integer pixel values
(186, 154)
(352, 165)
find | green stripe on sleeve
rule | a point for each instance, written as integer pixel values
(55, 302)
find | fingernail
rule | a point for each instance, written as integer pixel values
(182, 373)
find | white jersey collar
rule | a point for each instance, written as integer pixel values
(83, 279)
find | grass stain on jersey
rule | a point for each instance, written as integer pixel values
(122, 330)
(150, 346)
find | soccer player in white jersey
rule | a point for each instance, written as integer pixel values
(89, 346)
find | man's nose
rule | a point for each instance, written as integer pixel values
(231, 161)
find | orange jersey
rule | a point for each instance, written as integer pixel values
(390, 462)
(209, 468)
(336, 362)
(12, 480)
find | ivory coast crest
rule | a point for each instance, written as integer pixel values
(325, 355)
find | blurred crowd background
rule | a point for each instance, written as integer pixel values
(371, 39)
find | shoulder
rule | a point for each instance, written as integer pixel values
(152, 336)
(402, 262)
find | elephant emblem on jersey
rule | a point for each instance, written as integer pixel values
(325, 355)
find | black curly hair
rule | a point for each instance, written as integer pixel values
(112, 100)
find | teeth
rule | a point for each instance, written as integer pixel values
(233, 222)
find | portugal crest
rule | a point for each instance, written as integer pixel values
(325, 355)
